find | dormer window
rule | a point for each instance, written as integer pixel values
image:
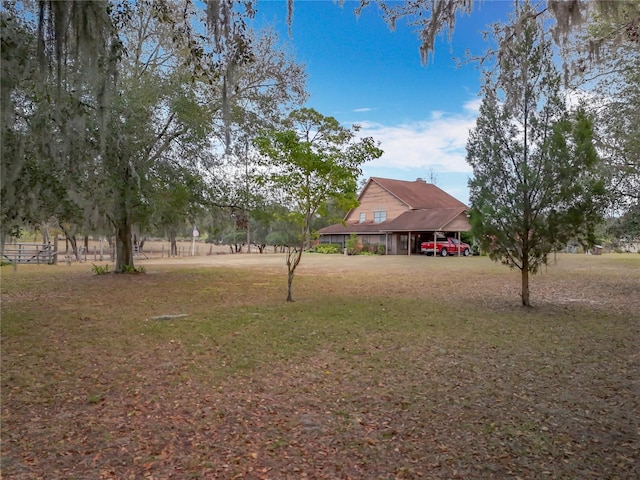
(379, 217)
(363, 217)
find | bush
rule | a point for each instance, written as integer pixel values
(100, 270)
(381, 249)
(328, 248)
(352, 244)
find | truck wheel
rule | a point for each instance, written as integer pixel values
(444, 252)
(466, 252)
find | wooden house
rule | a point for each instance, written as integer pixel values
(399, 215)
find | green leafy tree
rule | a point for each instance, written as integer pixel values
(613, 85)
(160, 113)
(178, 196)
(310, 163)
(17, 86)
(50, 131)
(536, 174)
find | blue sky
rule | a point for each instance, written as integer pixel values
(361, 72)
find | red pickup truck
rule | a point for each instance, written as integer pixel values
(445, 246)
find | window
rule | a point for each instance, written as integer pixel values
(363, 217)
(379, 217)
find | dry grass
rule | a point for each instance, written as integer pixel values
(384, 367)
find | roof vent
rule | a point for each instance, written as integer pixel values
(420, 179)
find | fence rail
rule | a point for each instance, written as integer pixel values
(30, 253)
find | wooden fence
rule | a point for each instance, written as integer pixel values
(30, 253)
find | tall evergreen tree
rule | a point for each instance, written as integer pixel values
(536, 173)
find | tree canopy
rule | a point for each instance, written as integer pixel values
(108, 105)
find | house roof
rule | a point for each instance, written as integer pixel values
(365, 227)
(430, 220)
(417, 194)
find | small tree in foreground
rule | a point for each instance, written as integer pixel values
(316, 160)
(536, 180)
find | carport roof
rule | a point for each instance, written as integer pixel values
(426, 220)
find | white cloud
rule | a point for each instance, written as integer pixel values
(365, 109)
(437, 143)
(577, 97)
(473, 106)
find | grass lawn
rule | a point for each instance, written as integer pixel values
(383, 368)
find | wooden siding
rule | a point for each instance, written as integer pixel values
(376, 199)
(459, 224)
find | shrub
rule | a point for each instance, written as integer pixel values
(99, 269)
(381, 249)
(328, 248)
(352, 244)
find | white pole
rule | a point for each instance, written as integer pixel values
(193, 240)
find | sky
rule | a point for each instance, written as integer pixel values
(361, 72)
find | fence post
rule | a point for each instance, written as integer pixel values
(162, 251)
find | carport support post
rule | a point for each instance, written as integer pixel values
(409, 244)
(458, 243)
(435, 245)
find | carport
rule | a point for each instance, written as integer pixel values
(411, 228)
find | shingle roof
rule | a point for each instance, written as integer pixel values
(427, 219)
(366, 227)
(418, 194)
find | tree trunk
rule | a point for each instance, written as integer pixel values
(525, 286)
(293, 260)
(173, 245)
(74, 247)
(124, 247)
(289, 286)
(44, 229)
(71, 239)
